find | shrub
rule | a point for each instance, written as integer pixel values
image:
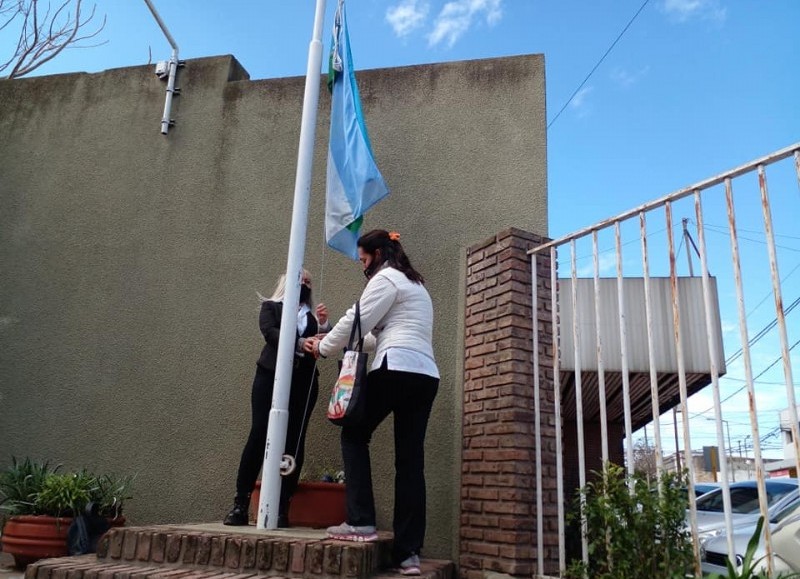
(633, 530)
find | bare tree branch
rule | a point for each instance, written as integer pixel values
(43, 37)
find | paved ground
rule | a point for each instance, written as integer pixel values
(7, 570)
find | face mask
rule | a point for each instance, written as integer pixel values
(305, 294)
(370, 269)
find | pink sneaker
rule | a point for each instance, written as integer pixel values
(345, 532)
(410, 566)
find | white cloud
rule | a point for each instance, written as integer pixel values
(625, 78)
(683, 10)
(457, 17)
(580, 103)
(607, 263)
(407, 16)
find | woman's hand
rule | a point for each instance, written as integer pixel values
(322, 314)
(311, 346)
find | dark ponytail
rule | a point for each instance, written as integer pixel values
(391, 252)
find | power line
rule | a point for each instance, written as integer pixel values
(743, 238)
(761, 333)
(725, 228)
(769, 294)
(650, 235)
(764, 371)
(599, 62)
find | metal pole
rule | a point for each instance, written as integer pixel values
(562, 553)
(748, 368)
(685, 223)
(601, 373)
(677, 444)
(576, 348)
(712, 357)
(623, 342)
(674, 196)
(279, 414)
(797, 166)
(780, 314)
(676, 334)
(651, 354)
(173, 69)
(730, 451)
(538, 414)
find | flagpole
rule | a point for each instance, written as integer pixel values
(279, 414)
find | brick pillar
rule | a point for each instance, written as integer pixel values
(498, 481)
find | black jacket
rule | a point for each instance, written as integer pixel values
(269, 320)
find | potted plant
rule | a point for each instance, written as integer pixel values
(41, 503)
(317, 503)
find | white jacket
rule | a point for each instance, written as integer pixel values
(395, 313)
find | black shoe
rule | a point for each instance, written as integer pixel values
(238, 516)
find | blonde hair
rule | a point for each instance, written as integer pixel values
(280, 290)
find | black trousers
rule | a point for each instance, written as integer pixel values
(410, 397)
(301, 405)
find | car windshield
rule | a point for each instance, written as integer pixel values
(744, 499)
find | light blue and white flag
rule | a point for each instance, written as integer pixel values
(354, 182)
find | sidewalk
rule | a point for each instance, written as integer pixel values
(7, 570)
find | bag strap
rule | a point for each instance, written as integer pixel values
(356, 324)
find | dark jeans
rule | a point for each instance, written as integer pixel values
(410, 397)
(300, 404)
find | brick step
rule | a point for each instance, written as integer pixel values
(294, 552)
(214, 550)
(90, 567)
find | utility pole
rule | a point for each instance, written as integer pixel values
(730, 451)
(686, 240)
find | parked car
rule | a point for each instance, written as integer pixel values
(702, 488)
(745, 508)
(785, 528)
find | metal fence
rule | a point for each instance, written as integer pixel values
(657, 339)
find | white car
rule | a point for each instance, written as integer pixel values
(702, 488)
(744, 505)
(785, 527)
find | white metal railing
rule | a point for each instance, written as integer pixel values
(583, 372)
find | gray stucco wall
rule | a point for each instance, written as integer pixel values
(130, 260)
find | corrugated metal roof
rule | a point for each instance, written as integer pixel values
(692, 324)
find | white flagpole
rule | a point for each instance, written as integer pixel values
(279, 414)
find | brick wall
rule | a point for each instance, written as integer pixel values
(498, 481)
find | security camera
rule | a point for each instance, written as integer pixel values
(162, 69)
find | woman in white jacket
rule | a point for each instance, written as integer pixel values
(397, 318)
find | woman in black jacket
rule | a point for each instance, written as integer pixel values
(303, 397)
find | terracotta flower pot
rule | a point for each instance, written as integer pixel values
(32, 537)
(314, 504)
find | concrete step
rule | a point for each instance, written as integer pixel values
(203, 551)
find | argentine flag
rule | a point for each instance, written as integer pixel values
(354, 182)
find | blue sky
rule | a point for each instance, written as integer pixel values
(693, 88)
